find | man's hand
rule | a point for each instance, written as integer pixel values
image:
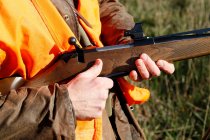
(88, 92)
(147, 68)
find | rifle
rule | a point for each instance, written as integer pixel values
(119, 60)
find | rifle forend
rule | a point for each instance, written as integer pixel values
(119, 60)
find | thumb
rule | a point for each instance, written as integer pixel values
(95, 70)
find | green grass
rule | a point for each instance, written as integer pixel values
(179, 105)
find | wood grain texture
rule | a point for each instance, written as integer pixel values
(121, 61)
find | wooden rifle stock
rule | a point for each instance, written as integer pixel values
(119, 60)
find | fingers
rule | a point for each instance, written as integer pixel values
(166, 66)
(146, 67)
(133, 75)
(150, 65)
(95, 70)
(141, 67)
(88, 92)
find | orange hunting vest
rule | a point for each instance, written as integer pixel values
(32, 37)
(33, 33)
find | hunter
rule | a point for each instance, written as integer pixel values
(33, 34)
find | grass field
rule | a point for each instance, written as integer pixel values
(179, 107)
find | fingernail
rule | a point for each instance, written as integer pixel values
(97, 62)
(160, 63)
(139, 62)
(144, 56)
(135, 77)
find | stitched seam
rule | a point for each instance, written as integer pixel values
(45, 21)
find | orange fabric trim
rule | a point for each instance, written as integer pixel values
(98, 129)
(57, 27)
(133, 94)
(85, 130)
(30, 38)
(21, 52)
(92, 15)
(18, 40)
(90, 130)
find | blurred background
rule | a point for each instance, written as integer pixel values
(179, 107)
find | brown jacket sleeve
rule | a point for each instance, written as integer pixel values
(115, 19)
(37, 113)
